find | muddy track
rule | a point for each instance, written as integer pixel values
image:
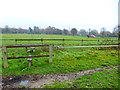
(38, 81)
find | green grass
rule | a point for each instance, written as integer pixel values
(101, 79)
(0, 63)
(64, 61)
(37, 36)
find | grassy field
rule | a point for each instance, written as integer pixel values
(37, 36)
(64, 60)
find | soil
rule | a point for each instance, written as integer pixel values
(38, 81)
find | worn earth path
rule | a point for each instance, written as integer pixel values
(38, 81)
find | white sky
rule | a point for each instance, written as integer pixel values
(80, 14)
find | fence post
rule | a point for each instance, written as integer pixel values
(98, 42)
(4, 54)
(50, 53)
(111, 41)
(41, 40)
(15, 41)
(82, 42)
(29, 61)
(63, 42)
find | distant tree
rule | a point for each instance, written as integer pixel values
(15, 30)
(94, 32)
(52, 30)
(1, 30)
(89, 31)
(103, 31)
(119, 34)
(48, 30)
(83, 32)
(115, 31)
(20, 30)
(42, 31)
(30, 30)
(35, 29)
(108, 33)
(74, 31)
(38, 30)
(7, 29)
(65, 32)
(59, 31)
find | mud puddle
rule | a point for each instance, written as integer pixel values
(23, 82)
(38, 81)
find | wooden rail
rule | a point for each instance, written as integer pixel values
(28, 56)
(92, 46)
(17, 46)
(55, 40)
(98, 42)
(5, 57)
(27, 45)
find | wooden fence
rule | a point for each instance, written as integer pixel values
(5, 57)
(63, 41)
(44, 45)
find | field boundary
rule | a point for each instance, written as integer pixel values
(98, 42)
(5, 57)
(55, 40)
(91, 46)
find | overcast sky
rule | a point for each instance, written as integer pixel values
(80, 14)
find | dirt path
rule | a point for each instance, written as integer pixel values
(38, 81)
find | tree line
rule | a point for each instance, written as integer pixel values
(54, 30)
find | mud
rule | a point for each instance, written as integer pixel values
(38, 81)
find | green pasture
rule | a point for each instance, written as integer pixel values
(64, 60)
(38, 36)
